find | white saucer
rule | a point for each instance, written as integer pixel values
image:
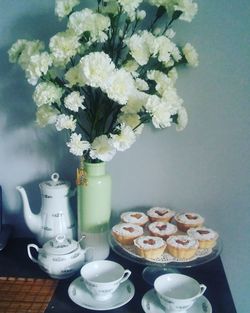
(151, 304)
(81, 296)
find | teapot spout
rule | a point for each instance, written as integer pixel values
(32, 220)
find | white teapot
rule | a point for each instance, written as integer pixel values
(60, 257)
(56, 216)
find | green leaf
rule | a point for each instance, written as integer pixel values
(176, 15)
(161, 10)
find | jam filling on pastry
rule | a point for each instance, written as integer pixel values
(129, 229)
(162, 227)
(182, 242)
(149, 242)
(137, 216)
(191, 217)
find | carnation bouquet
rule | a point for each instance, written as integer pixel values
(113, 69)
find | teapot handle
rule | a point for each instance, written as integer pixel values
(32, 245)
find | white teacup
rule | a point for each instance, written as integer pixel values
(177, 292)
(103, 277)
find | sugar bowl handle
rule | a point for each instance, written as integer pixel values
(32, 245)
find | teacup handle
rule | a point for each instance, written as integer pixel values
(125, 276)
(203, 289)
(32, 245)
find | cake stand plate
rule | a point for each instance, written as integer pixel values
(166, 264)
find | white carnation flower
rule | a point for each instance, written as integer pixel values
(182, 119)
(164, 47)
(162, 80)
(131, 66)
(65, 122)
(64, 7)
(74, 101)
(124, 139)
(97, 25)
(74, 77)
(161, 116)
(130, 7)
(191, 55)
(16, 50)
(45, 115)
(38, 66)
(171, 97)
(22, 50)
(63, 46)
(76, 145)
(102, 149)
(120, 86)
(140, 46)
(96, 68)
(135, 102)
(77, 20)
(141, 84)
(168, 4)
(47, 93)
(88, 21)
(170, 33)
(173, 75)
(188, 8)
(141, 14)
(132, 120)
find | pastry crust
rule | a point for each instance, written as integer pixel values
(184, 221)
(138, 218)
(182, 246)
(162, 229)
(206, 236)
(125, 233)
(150, 247)
(160, 214)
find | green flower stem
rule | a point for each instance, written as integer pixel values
(120, 44)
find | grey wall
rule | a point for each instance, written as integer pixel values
(204, 168)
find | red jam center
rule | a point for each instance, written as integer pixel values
(129, 229)
(191, 217)
(149, 242)
(162, 227)
(182, 242)
(161, 213)
(136, 215)
(203, 232)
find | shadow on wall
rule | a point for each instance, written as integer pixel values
(28, 154)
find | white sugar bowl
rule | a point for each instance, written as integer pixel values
(60, 257)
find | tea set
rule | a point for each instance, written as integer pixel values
(102, 284)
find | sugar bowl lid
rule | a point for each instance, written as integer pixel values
(60, 245)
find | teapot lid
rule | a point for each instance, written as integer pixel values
(55, 183)
(60, 245)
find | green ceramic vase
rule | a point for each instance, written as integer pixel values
(94, 209)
